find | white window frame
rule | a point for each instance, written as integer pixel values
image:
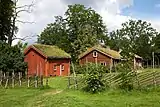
(62, 67)
(55, 67)
(95, 54)
(103, 63)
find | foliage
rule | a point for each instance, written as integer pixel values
(126, 75)
(6, 13)
(94, 78)
(22, 46)
(136, 37)
(79, 29)
(11, 58)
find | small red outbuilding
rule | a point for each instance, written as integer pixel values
(47, 60)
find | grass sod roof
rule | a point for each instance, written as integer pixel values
(114, 54)
(52, 51)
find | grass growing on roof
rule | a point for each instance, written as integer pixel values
(52, 51)
(107, 51)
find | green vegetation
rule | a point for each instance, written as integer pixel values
(80, 28)
(52, 51)
(59, 96)
(94, 78)
(11, 58)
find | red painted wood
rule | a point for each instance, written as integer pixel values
(39, 65)
(100, 58)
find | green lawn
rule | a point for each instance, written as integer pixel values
(59, 96)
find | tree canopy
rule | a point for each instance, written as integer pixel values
(79, 29)
(135, 36)
(6, 13)
(11, 58)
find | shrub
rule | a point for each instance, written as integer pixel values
(94, 78)
(126, 75)
(11, 58)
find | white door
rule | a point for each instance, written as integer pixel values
(60, 70)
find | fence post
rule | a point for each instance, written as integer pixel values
(1, 78)
(154, 79)
(69, 82)
(20, 81)
(13, 76)
(41, 80)
(36, 83)
(28, 81)
(7, 78)
(74, 76)
(137, 80)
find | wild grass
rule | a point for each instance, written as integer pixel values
(59, 96)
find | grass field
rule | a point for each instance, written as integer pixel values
(59, 96)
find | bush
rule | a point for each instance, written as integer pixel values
(94, 78)
(11, 58)
(126, 75)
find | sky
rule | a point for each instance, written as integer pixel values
(113, 12)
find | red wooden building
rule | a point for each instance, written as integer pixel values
(99, 54)
(47, 60)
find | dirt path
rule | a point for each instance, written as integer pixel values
(54, 92)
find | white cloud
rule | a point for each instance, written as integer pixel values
(110, 10)
(45, 10)
(43, 13)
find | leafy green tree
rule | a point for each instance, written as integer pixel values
(11, 58)
(135, 36)
(80, 28)
(6, 13)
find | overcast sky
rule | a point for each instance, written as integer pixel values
(113, 12)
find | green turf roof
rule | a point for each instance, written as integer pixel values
(114, 54)
(52, 51)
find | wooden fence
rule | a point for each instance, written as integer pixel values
(113, 80)
(12, 80)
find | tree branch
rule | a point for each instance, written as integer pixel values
(24, 22)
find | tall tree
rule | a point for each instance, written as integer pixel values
(135, 36)
(9, 16)
(6, 14)
(80, 28)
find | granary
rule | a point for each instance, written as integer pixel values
(47, 60)
(101, 55)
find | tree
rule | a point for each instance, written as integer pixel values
(11, 58)
(9, 16)
(80, 28)
(6, 14)
(135, 36)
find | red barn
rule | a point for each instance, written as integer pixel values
(99, 54)
(47, 60)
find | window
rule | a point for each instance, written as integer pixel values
(94, 54)
(55, 67)
(62, 67)
(103, 63)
